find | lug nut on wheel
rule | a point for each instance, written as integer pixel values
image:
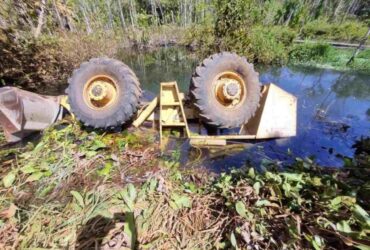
(231, 90)
(98, 91)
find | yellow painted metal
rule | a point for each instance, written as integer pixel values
(146, 112)
(226, 81)
(65, 104)
(207, 142)
(100, 92)
(275, 117)
(171, 110)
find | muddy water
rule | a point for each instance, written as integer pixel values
(333, 110)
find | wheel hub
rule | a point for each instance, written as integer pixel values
(229, 89)
(100, 92)
(232, 89)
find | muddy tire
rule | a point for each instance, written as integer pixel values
(225, 89)
(103, 93)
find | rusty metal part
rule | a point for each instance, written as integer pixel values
(100, 92)
(229, 89)
(23, 112)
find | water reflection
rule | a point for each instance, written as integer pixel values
(164, 65)
(333, 108)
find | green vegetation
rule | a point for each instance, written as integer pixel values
(42, 41)
(348, 31)
(83, 189)
(75, 188)
(324, 55)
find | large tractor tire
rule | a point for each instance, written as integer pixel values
(226, 90)
(103, 93)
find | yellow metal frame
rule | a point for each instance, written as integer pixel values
(171, 109)
(276, 116)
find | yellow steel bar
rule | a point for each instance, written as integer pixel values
(143, 116)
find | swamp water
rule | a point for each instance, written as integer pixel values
(333, 110)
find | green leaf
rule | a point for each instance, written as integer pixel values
(251, 173)
(131, 191)
(90, 154)
(129, 229)
(316, 181)
(240, 209)
(257, 187)
(340, 201)
(344, 227)
(97, 144)
(361, 215)
(28, 169)
(336, 201)
(152, 184)
(317, 242)
(129, 196)
(361, 246)
(106, 170)
(233, 240)
(79, 198)
(45, 191)
(262, 203)
(9, 179)
(35, 176)
(180, 201)
(293, 176)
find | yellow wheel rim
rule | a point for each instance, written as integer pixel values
(229, 89)
(100, 92)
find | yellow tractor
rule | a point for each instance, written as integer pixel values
(225, 93)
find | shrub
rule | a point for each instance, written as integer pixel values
(310, 52)
(200, 38)
(365, 54)
(268, 45)
(32, 63)
(349, 31)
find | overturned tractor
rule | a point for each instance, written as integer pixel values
(225, 93)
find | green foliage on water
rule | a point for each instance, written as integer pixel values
(348, 31)
(326, 56)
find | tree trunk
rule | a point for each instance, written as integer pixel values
(121, 14)
(359, 47)
(132, 14)
(61, 24)
(87, 22)
(41, 19)
(338, 9)
(110, 15)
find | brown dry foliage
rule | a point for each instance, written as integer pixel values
(48, 61)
